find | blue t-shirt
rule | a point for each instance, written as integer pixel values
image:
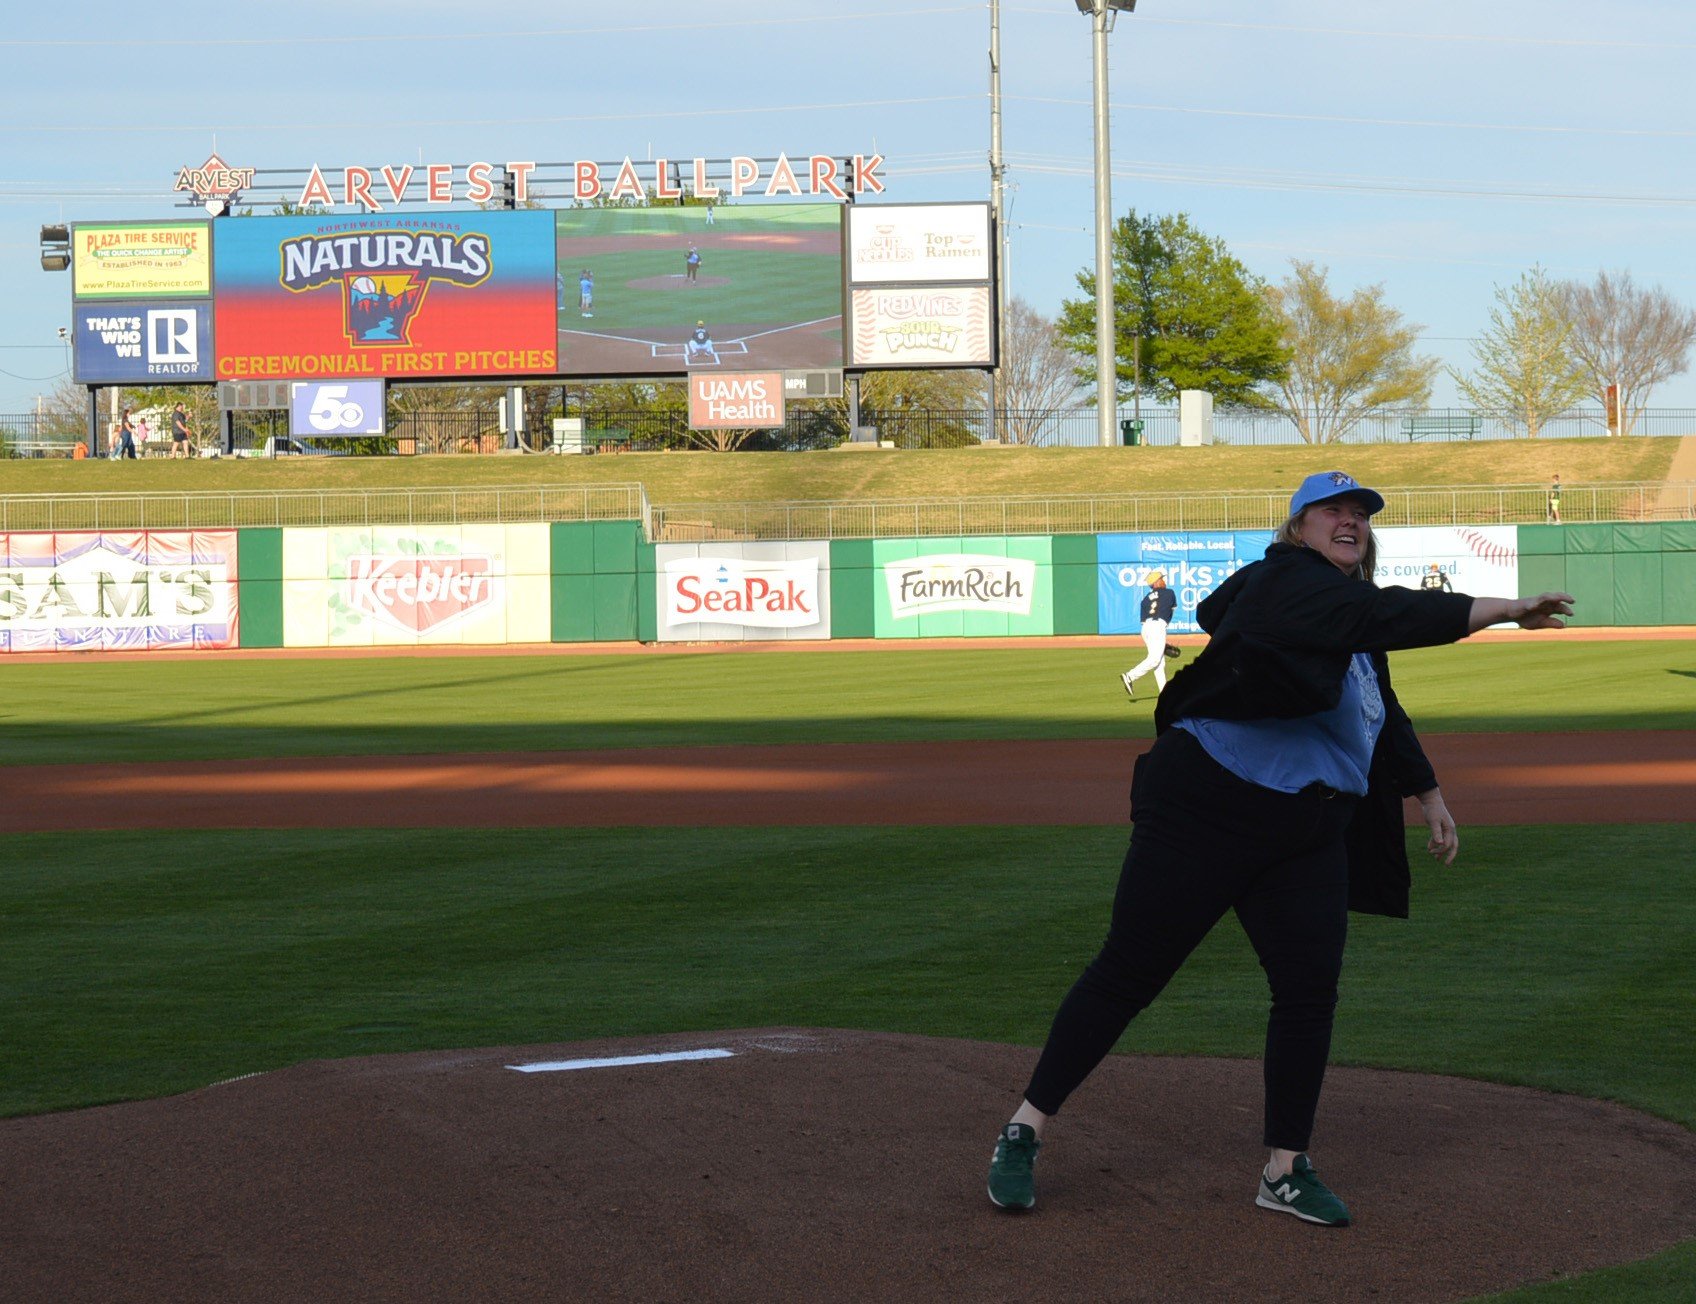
(1332, 747)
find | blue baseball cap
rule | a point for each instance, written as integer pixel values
(1322, 486)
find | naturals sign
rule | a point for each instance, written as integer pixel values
(119, 589)
(959, 581)
(410, 296)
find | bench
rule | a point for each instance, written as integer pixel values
(613, 439)
(1449, 427)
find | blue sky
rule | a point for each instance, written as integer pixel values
(1441, 149)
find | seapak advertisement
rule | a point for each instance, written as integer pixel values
(402, 296)
(132, 589)
(416, 584)
(736, 592)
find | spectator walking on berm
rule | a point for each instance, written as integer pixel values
(126, 437)
(692, 264)
(1274, 788)
(180, 432)
(1555, 500)
(1158, 604)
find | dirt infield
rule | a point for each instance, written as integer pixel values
(1549, 778)
(808, 1164)
(812, 1165)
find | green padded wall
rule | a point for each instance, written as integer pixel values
(259, 562)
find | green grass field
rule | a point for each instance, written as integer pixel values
(135, 964)
(933, 473)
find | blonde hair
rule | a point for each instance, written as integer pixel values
(1290, 533)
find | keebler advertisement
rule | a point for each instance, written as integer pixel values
(405, 296)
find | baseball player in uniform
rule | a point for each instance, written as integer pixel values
(1434, 580)
(586, 293)
(1158, 604)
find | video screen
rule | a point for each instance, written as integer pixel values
(678, 290)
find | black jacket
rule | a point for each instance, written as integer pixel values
(1282, 631)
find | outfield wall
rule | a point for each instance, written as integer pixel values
(400, 586)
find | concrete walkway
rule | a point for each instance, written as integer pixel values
(1678, 498)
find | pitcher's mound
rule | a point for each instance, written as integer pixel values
(813, 1165)
(676, 282)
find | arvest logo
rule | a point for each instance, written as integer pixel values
(417, 594)
(730, 591)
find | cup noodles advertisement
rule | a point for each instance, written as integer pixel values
(743, 591)
(927, 327)
(118, 589)
(926, 243)
(420, 584)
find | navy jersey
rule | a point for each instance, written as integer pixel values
(1158, 604)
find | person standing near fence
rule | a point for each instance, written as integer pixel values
(1156, 610)
(1555, 500)
(126, 437)
(1274, 789)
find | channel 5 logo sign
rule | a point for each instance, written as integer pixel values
(335, 407)
(160, 343)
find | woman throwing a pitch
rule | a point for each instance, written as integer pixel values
(1274, 789)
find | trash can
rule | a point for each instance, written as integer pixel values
(1130, 432)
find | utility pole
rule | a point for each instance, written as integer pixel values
(1106, 355)
(997, 194)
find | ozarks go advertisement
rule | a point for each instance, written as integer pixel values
(404, 296)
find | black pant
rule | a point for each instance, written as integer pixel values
(1205, 842)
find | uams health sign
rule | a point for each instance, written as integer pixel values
(736, 400)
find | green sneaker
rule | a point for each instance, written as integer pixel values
(1304, 1195)
(1012, 1183)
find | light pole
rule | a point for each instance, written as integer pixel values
(1102, 13)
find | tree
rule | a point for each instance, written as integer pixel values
(1627, 336)
(1198, 317)
(1525, 371)
(1037, 377)
(1347, 356)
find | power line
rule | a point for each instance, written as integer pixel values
(155, 128)
(401, 37)
(1368, 122)
(1475, 38)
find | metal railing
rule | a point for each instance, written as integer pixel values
(494, 505)
(1128, 513)
(48, 435)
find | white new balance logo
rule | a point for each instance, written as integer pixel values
(1287, 1193)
